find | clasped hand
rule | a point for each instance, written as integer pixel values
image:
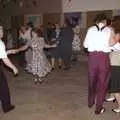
(12, 51)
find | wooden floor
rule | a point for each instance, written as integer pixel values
(62, 96)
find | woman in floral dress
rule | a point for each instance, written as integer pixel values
(39, 65)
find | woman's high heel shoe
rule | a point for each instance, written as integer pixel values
(110, 99)
(117, 110)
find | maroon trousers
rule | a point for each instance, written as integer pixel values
(98, 78)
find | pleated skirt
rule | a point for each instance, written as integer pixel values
(114, 83)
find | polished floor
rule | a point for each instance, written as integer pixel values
(62, 96)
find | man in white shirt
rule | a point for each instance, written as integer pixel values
(4, 90)
(98, 43)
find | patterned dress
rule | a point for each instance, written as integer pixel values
(76, 43)
(76, 40)
(39, 64)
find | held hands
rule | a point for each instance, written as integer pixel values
(50, 46)
(55, 45)
(13, 51)
(53, 39)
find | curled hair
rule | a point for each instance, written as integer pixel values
(108, 21)
(116, 24)
(38, 31)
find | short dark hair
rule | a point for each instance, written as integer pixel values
(100, 17)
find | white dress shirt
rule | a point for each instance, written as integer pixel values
(3, 53)
(98, 40)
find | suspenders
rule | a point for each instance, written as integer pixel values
(99, 29)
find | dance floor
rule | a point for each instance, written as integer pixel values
(62, 96)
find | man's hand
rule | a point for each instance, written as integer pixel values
(15, 70)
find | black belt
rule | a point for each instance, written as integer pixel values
(98, 52)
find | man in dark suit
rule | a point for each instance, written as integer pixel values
(65, 45)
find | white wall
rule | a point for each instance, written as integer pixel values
(116, 12)
(89, 5)
(43, 6)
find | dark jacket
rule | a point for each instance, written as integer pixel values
(66, 39)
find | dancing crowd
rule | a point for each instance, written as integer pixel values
(38, 50)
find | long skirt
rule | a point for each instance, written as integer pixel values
(114, 84)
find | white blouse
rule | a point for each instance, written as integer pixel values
(3, 53)
(115, 55)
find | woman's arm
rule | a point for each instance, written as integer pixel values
(22, 48)
(15, 51)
